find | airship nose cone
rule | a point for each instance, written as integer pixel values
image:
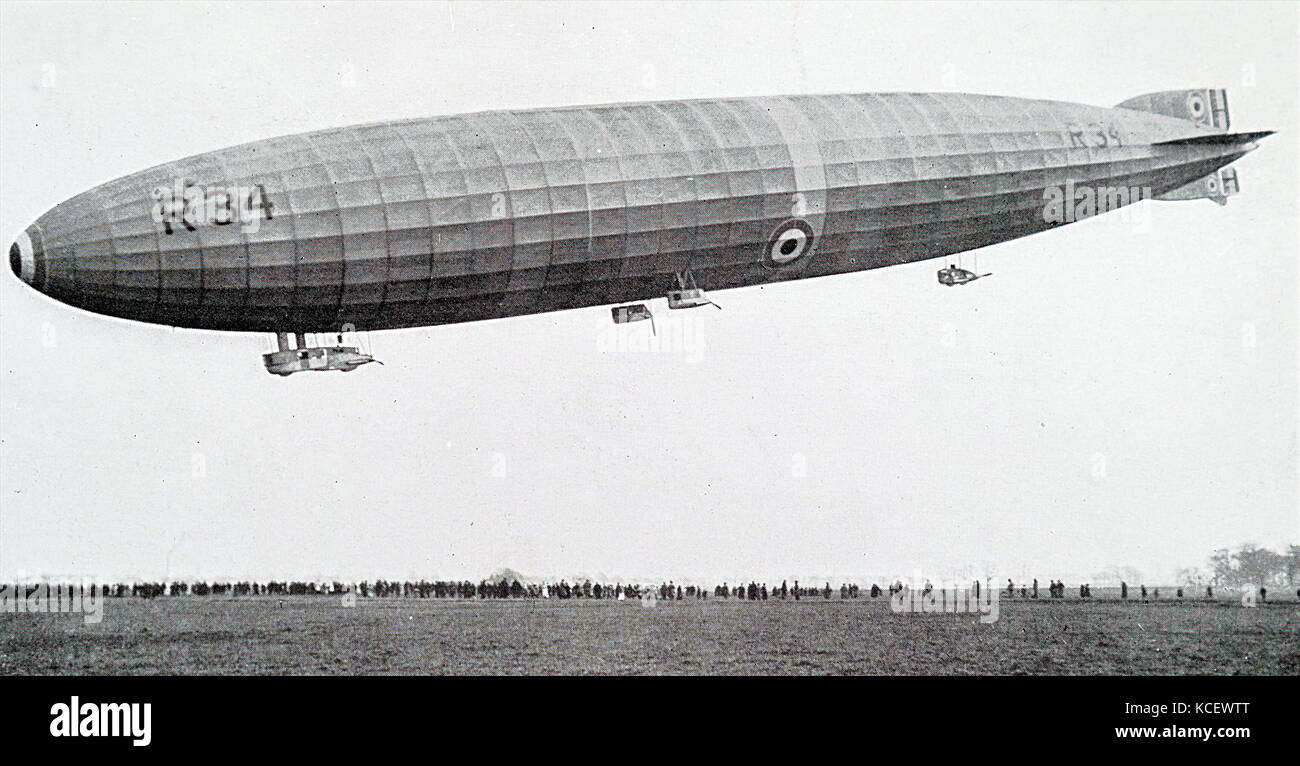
(24, 259)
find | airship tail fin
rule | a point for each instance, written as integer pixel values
(1216, 187)
(1207, 107)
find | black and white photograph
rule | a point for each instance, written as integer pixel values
(874, 339)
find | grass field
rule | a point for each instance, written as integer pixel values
(318, 635)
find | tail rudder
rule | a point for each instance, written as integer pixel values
(1216, 187)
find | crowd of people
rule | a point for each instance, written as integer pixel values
(484, 589)
(667, 591)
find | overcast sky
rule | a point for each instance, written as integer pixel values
(1120, 392)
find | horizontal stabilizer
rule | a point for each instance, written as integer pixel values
(1216, 186)
(1207, 107)
(1219, 138)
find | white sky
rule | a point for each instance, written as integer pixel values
(1098, 402)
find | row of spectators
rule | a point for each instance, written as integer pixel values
(669, 591)
(466, 589)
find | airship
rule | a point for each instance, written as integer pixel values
(462, 218)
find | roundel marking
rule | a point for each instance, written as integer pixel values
(790, 242)
(1196, 105)
(1212, 183)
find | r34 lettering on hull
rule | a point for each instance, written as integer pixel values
(469, 217)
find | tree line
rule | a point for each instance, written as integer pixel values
(1247, 564)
